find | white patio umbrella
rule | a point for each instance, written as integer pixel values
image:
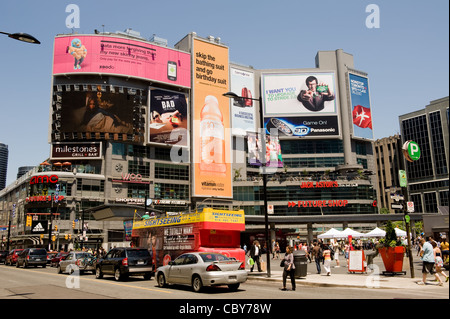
(329, 234)
(377, 232)
(400, 233)
(349, 232)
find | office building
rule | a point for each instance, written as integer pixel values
(428, 176)
(3, 164)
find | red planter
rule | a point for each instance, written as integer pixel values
(392, 258)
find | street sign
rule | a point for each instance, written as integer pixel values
(410, 206)
(396, 206)
(411, 151)
(397, 197)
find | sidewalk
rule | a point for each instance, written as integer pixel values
(340, 277)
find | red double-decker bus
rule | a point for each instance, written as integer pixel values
(210, 230)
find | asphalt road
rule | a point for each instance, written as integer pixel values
(45, 283)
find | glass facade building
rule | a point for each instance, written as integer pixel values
(428, 183)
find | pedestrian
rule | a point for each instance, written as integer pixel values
(255, 253)
(277, 250)
(439, 263)
(289, 268)
(427, 254)
(444, 248)
(317, 254)
(336, 253)
(327, 259)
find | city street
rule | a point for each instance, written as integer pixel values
(45, 283)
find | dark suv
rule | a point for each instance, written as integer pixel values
(124, 262)
(32, 257)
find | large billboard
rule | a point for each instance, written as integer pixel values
(97, 111)
(168, 118)
(121, 56)
(211, 121)
(300, 104)
(361, 110)
(243, 109)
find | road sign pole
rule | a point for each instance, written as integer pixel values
(411, 261)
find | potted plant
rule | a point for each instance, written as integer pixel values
(391, 250)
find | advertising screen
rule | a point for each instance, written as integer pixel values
(361, 110)
(168, 118)
(242, 109)
(121, 56)
(300, 104)
(96, 111)
(211, 121)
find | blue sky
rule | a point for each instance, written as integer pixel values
(406, 58)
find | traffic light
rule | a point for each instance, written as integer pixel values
(66, 236)
(56, 227)
(73, 224)
(53, 238)
(70, 236)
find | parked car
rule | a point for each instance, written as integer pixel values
(50, 256)
(56, 259)
(199, 269)
(11, 259)
(3, 254)
(32, 257)
(123, 262)
(76, 260)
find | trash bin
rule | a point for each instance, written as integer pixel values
(301, 263)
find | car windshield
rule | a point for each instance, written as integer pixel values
(138, 253)
(38, 252)
(83, 255)
(213, 257)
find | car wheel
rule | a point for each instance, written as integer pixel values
(161, 280)
(59, 270)
(17, 264)
(197, 284)
(117, 274)
(98, 273)
(44, 266)
(233, 287)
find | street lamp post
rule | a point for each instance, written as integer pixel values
(232, 95)
(24, 37)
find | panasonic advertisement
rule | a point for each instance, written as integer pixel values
(300, 104)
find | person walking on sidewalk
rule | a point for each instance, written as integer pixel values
(428, 262)
(327, 259)
(317, 254)
(439, 263)
(289, 268)
(255, 253)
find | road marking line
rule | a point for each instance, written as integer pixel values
(99, 281)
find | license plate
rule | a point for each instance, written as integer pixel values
(140, 262)
(37, 259)
(232, 277)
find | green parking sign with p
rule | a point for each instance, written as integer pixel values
(411, 150)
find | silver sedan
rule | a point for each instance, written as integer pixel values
(199, 269)
(77, 261)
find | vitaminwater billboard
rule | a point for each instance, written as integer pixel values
(300, 104)
(211, 121)
(118, 55)
(361, 111)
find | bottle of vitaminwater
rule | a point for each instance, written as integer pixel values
(212, 136)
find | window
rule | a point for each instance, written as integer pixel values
(135, 167)
(138, 190)
(171, 191)
(170, 171)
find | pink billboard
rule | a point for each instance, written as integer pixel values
(121, 56)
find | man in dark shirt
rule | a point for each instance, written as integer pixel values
(313, 99)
